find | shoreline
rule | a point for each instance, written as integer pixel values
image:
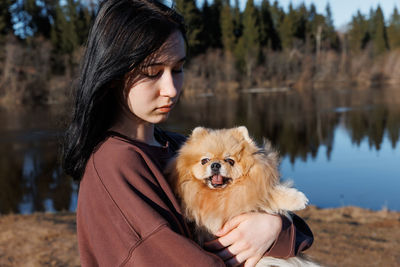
(345, 236)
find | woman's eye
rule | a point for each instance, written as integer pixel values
(204, 161)
(152, 72)
(153, 75)
(180, 70)
(230, 161)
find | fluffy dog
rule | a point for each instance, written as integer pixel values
(219, 174)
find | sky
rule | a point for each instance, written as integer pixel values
(342, 10)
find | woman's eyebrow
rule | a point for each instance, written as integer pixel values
(181, 60)
(164, 63)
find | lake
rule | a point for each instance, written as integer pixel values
(339, 146)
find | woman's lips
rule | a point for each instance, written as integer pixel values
(165, 109)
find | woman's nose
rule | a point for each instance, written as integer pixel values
(168, 85)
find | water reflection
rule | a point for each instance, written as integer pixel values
(371, 124)
(298, 123)
(317, 134)
(356, 174)
(11, 180)
(31, 178)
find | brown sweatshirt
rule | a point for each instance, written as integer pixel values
(128, 216)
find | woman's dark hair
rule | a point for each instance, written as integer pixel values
(124, 33)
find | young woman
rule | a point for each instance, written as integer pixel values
(131, 78)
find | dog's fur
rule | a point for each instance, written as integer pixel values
(244, 178)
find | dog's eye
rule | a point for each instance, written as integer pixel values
(204, 161)
(230, 161)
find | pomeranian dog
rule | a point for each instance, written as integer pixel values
(219, 174)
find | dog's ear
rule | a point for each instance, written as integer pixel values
(243, 130)
(271, 153)
(199, 131)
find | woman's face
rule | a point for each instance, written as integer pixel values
(159, 84)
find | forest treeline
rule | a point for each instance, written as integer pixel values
(265, 45)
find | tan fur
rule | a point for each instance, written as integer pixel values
(255, 182)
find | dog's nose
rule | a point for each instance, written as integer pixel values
(215, 166)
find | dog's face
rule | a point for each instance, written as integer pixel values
(218, 158)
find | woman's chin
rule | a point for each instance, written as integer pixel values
(160, 118)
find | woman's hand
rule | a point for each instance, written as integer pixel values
(245, 238)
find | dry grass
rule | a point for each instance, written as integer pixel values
(351, 236)
(38, 240)
(347, 236)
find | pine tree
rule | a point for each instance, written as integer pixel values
(288, 28)
(214, 22)
(277, 15)
(329, 18)
(83, 22)
(393, 30)
(237, 21)
(193, 21)
(316, 24)
(378, 34)
(330, 35)
(248, 48)
(63, 32)
(210, 35)
(227, 27)
(205, 38)
(71, 31)
(358, 34)
(268, 35)
(301, 15)
(5, 17)
(251, 28)
(294, 28)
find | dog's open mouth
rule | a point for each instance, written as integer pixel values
(217, 181)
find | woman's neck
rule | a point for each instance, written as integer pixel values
(136, 129)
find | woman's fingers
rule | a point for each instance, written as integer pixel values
(239, 259)
(238, 252)
(230, 238)
(251, 262)
(245, 238)
(223, 242)
(240, 248)
(230, 225)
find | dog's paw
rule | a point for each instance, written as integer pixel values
(290, 198)
(300, 201)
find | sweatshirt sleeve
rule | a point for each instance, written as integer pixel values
(294, 237)
(126, 218)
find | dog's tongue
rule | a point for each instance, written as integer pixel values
(217, 179)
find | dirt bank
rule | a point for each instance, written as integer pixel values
(348, 236)
(351, 236)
